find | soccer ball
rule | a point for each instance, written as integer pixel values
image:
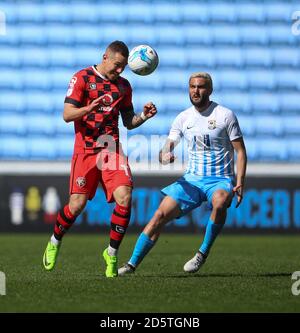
(143, 60)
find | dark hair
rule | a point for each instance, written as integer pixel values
(118, 47)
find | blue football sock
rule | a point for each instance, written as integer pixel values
(211, 233)
(143, 245)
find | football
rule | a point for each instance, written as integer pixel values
(143, 60)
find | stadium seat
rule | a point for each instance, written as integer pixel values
(84, 13)
(290, 102)
(252, 34)
(56, 13)
(37, 123)
(288, 79)
(105, 35)
(139, 34)
(281, 35)
(37, 102)
(65, 146)
(268, 126)
(169, 35)
(225, 13)
(34, 57)
(12, 147)
(60, 78)
(172, 56)
(237, 102)
(57, 101)
(12, 124)
(165, 12)
(9, 57)
(291, 126)
(174, 79)
(228, 57)
(177, 102)
(272, 150)
(11, 79)
(252, 148)
(199, 56)
(247, 124)
(264, 102)
(249, 13)
(87, 57)
(261, 79)
(285, 57)
(293, 150)
(278, 12)
(32, 34)
(112, 12)
(135, 13)
(11, 36)
(61, 57)
(195, 12)
(36, 79)
(61, 127)
(30, 13)
(230, 79)
(60, 34)
(41, 147)
(225, 35)
(11, 13)
(11, 102)
(195, 34)
(257, 57)
(149, 82)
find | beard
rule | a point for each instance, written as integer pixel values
(201, 102)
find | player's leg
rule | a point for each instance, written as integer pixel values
(221, 199)
(65, 219)
(167, 211)
(119, 222)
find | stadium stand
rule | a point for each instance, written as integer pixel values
(248, 47)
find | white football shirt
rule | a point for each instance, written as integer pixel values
(209, 135)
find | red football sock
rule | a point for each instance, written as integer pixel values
(119, 223)
(64, 221)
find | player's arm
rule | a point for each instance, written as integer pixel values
(241, 164)
(166, 154)
(72, 112)
(132, 120)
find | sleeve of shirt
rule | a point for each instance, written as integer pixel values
(75, 91)
(126, 104)
(176, 129)
(232, 126)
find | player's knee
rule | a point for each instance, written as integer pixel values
(220, 201)
(159, 216)
(77, 205)
(125, 199)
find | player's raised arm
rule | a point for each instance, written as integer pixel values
(132, 120)
(72, 112)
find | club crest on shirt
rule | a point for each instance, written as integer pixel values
(212, 124)
(93, 86)
(80, 181)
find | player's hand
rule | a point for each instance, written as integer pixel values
(238, 190)
(149, 110)
(94, 104)
(166, 158)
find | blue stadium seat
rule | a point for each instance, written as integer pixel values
(149, 82)
(36, 79)
(228, 57)
(61, 127)
(230, 79)
(11, 37)
(172, 56)
(60, 34)
(257, 57)
(291, 125)
(247, 124)
(169, 35)
(289, 102)
(288, 79)
(84, 13)
(195, 12)
(59, 79)
(165, 12)
(138, 34)
(41, 147)
(220, 12)
(237, 102)
(56, 13)
(141, 98)
(281, 35)
(159, 125)
(87, 57)
(65, 146)
(37, 123)
(195, 34)
(9, 57)
(264, 102)
(293, 150)
(11, 13)
(34, 57)
(249, 12)
(268, 126)
(272, 150)
(261, 80)
(175, 79)
(252, 148)
(285, 56)
(32, 34)
(30, 13)
(10, 79)
(39, 102)
(12, 124)
(252, 34)
(61, 57)
(12, 147)
(177, 102)
(225, 35)
(57, 101)
(112, 12)
(199, 56)
(11, 101)
(138, 13)
(278, 12)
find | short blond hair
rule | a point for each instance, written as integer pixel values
(205, 76)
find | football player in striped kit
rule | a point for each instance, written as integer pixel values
(213, 135)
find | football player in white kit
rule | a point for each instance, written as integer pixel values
(213, 134)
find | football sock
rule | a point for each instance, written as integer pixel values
(211, 232)
(64, 221)
(54, 241)
(143, 245)
(119, 223)
(111, 251)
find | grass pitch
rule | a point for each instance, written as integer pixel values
(242, 274)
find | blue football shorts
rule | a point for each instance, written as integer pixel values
(190, 191)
